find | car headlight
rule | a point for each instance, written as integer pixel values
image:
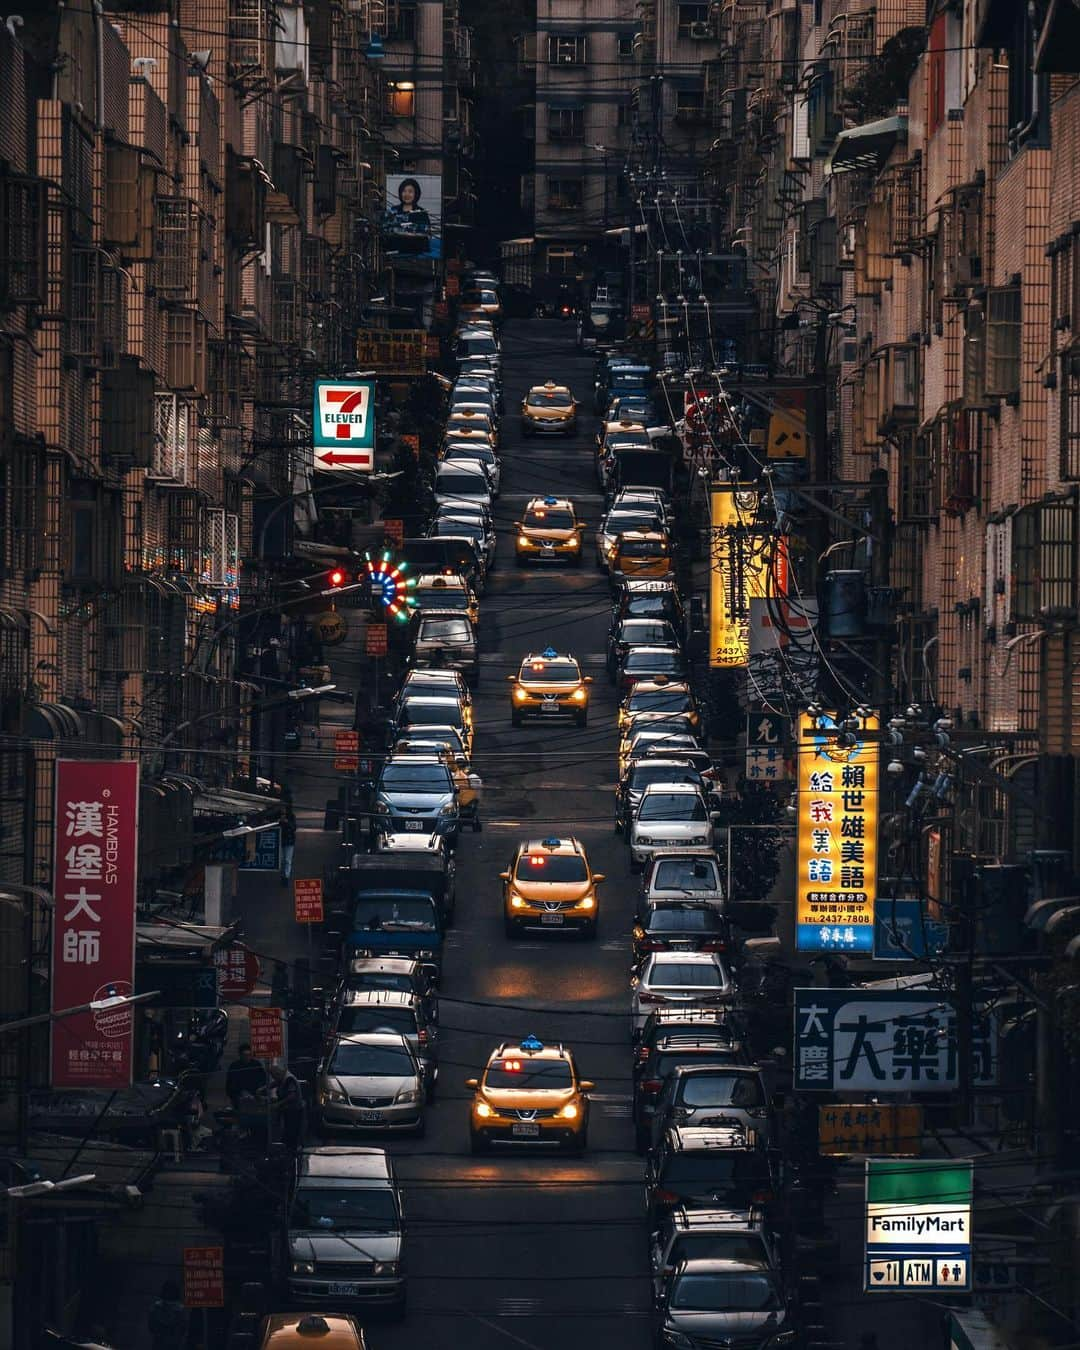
(450, 809)
(425, 954)
(333, 1093)
(383, 808)
(516, 901)
(483, 1110)
(303, 1268)
(569, 1111)
(643, 839)
(579, 695)
(520, 694)
(385, 1268)
(523, 541)
(699, 839)
(678, 1340)
(407, 1095)
(588, 903)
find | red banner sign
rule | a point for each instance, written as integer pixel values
(346, 745)
(204, 1277)
(95, 857)
(265, 1033)
(394, 530)
(237, 970)
(375, 639)
(308, 900)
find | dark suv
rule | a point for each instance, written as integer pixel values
(706, 1169)
(668, 1054)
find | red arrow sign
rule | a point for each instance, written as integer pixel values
(336, 457)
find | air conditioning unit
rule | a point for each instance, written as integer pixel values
(700, 32)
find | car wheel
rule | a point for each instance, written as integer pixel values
(581, 719)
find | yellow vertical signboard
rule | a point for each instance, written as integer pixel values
(838, 828)
(739, 556)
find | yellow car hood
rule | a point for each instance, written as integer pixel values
(538, 892)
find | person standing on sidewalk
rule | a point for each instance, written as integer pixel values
(289, 1105)
(288, 839)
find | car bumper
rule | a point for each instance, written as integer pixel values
(443, 825)
(553, 1135)
(548, 426)
(557, 552)
(307, 1291)
(537, 706)
(533, 920)
(338, 1117)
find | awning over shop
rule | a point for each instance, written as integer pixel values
(229, 802)
(866, 147)
(183, 939)
(119, 1171)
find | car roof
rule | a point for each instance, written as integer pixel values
(672, 789)
(661, 761)
(451, 581)
(554, 1051)
(654, 648)
(328, 1331)
(549, 502)
(650, 586)
(374, 1038)
(695, 855)
(697, 1070)
(421, 676)
(569, 847)
(718, 1266)
(629, 620)
(441, 700)
(737, 1220)
(547, 656)
(385, 965)
(333, 1160)
(549, 387)
(377, 998)
(683, 1042)
(682, 958)
(662, 685)
(433, 612)
(633, 536)
(458, 468)
(413, 760)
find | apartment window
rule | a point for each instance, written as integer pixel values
(561, 262)
(1025, 564)
(1070, 414)
(689, 105)
(626, 46)
(565, 194)
(401, 23)
(567, 49)
(401, 99)
(1003, 312)
(566, 124)
(692, 19)
(1057, 555)
(935, 76)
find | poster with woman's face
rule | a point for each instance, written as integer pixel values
(412, 222)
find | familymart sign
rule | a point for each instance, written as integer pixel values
(918, 1225)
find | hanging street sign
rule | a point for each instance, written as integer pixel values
(766, 745)
(746, 562)
(266, 1033)
(346, 748)
(344, 426)
(392, 351)
(918, 1225)
(869, 1127)
(308, 899)
(838, 826)
(903, 930)
(886, 1041)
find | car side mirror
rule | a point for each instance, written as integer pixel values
(504, 876)
(587, 1085)
(510, 679)
(598, 877)
(716, 817)
(587, 680)
(475, 781)
(473, 1083)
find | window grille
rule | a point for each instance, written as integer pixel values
(567, 49)
(1070, 413)
(1057, 557)
(84, 290)
(172, 417)
(23, 258)
(1003, 322)
(174, 273)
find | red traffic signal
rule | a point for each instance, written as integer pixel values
(338, 577)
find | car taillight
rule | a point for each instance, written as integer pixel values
(650, 945)
(641, 1054)
(666, 1197)
(652, 1085)
(422, 1037)
(650, 998)
(717, 945)
(761, 1197)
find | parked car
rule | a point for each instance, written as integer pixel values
(695, 978)
(724, 1302)
(670, 1052)
(706, 1168)
(372, 1083)
(345, 1230)
(671, 815)
(715, 1094)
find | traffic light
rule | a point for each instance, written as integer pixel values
(337, 577)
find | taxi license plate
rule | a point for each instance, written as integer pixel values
(551, 918)
(343, 1290)
(549, 707)
(526, 1129)
(547, 551)
(414, 824)
(369, 1117)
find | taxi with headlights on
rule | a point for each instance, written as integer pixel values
(548, 685)
(549, 531)
(549, 410)
(530, 1094)
(550, 886)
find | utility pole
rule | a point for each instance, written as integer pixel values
(880, 561)
(817, 426)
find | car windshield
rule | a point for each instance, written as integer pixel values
(377, 1019)
(478, 346)
(672, 806)
(685, 975)
(371, 1061)
(685, 874)
(459, 527)
(648, 607)
(717, 1247)
(638, 659)
(742, 1090)
(550, 672)
(395, 914)
(645, 774)
(406, 777)
(553, 867)
(644, 548)
(736, 1171)
(391, 981)
(659, 700)
(649, 631)
(729, 1293)
(684, 919)
(361, 1209)
(461, 485)
(665, 1064)
(479, 454)
(431, 714)
(544, 518)
(452, 597)
(553, 398)
(524, 1074)
(445, 630)
(621, 522)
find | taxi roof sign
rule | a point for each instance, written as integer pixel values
(531, 1044)
(551, 843)
(549, 653)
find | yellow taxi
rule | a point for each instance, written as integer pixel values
(655, 700)
(461, 420)
(480, 301)
(445, 590)
(550, 886)
(530, 1094)
(549, 531)
(310, 1331)
(464, 435)
(549, 409)
(641, 553)
(549, 684)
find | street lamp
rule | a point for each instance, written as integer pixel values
(32, 1189)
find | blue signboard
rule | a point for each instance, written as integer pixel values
(903, 932)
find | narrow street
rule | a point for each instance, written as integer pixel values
(530, 1251)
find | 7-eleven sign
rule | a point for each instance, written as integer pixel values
(344, 424)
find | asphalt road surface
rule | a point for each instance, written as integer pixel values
(532, 1251)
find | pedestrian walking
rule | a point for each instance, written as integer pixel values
(168, 1319)
(289, 1105)
(288, 841)
(245, 1077)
